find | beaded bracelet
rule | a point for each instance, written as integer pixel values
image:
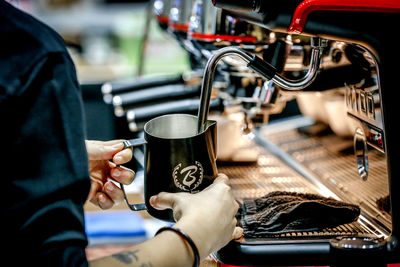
(184, 236)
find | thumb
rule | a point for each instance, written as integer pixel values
(221, 178)
(163, 201)
(237, 233)
(98, 150)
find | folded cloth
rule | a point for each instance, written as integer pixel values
(284, 212)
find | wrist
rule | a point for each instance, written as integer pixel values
(186, 240)
(200, 239)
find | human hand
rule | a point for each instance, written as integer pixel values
(208, 217)
(104, 192)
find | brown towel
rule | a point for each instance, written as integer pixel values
(283, 212)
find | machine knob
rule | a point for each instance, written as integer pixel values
(361, 153)
(357, 251)
(358, 242)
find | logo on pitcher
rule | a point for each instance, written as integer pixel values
(188, 178)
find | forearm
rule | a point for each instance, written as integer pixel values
(165, 249)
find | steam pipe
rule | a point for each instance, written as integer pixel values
(259, 66)
(296, 85)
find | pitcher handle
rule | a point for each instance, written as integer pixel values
(133, 143)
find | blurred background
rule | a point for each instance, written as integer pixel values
(109, 40)
(106, 37)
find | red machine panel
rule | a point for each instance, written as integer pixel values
(306, 7)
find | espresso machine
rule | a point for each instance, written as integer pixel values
(337, 61)
(355, 161)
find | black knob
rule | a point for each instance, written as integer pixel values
(358, 251)
(238, 5)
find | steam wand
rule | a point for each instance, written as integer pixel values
(259, 66)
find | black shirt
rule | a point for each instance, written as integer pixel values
(44, 174)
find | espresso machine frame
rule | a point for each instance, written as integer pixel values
(363, 25)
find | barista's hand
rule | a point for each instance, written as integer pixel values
(208, 217)
(103, 192)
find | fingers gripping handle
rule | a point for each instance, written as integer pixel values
(133, 143)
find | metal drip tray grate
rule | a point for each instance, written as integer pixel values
(331, 160)
(268, 175)
(331, 164)
(271, 174)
